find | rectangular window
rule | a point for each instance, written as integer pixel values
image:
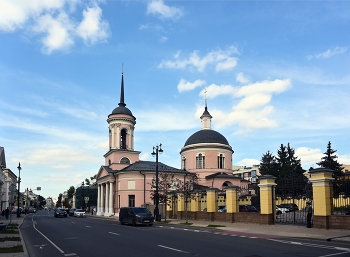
(131, 200)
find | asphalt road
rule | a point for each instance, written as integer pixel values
(45, 236)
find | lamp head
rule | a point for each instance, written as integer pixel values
(153, 153)
(160, 149)
(19, 166)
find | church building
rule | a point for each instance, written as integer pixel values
(125, 180)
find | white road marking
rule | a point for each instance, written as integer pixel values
(70, 254)
(172, 249)
(114, 233)
(59, 249)
(88, 226)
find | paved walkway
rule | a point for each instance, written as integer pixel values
(276, 230)
(14, 220)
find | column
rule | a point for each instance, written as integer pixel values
(112, 128)
(232, 199)
(267, 204)
(107, 200)
(322, 189)
(118, 136)
(212, 205)
(98, 211)
(111, 206)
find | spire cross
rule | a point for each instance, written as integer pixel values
(205, 97)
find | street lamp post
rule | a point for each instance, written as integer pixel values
(19, 184)
(157, 150)
(82, 194)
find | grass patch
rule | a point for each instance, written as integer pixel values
(12, 225)
(12, 249)
(215, 226)
(9, 231)
(10, 238)
(186, 223)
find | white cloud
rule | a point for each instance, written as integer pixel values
(57, 157)
(308, 156)
(329, 53)
(248, 162)
(57, 32)
(92, 28)
(54, 22)
(144, 157)
(187, 86)
(241, 78)
(157, 7)
(163, 39)
(222, 59)
(252, 110)
(15, 13)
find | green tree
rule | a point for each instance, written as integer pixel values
(283, 162)
(166, 184)
(41, 200)
(294, 162)
(330, 161)
(59, 201)
(70, 192)
(268, 165)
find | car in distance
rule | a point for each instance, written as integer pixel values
(135, 215)
(222, 208)
(280, 209)
(60, 212)
(79, 213)
(71, 211)
(290, 206)
(247, 208)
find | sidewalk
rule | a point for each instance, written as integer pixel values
(14, 220)
(283, 230)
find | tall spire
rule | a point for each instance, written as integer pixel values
(122, 89)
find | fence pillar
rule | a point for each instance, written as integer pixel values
(232, 199)
(195, 203)
(212, 200)
(181, 203)
(267, 204)
(322, 189)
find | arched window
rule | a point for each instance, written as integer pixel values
(109, 162)
(200, 161)
(221, 161)
(183, 162)
(125, 160)
(123, 134)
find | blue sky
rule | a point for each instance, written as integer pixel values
(275, 72)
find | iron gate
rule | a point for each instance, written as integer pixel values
(291, 195)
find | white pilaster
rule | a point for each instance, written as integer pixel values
(107, 200)
(110, 198)
(98, 211)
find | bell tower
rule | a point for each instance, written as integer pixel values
(121, 124)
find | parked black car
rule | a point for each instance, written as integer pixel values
(135, 215)
(71, 211)
(247, 208)
(60, 212)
